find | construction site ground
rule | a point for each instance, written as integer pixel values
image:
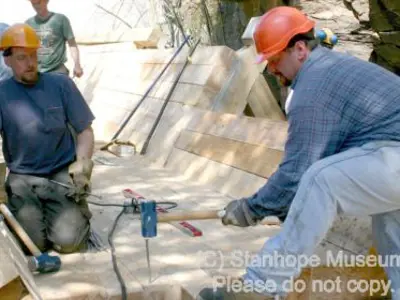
(177, 260)
(180, 265)
(204, 152)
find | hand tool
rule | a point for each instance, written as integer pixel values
(148, 216)
(183, 225)
(41, 262)
(149, 219)
(203, 215)
(69, 186)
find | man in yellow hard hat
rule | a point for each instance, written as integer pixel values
(342, 157)
(36, 113)
(54, 31)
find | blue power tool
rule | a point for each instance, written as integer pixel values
(148, 218)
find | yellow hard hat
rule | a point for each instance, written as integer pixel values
(19, 35)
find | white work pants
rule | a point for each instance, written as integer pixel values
(363, 181)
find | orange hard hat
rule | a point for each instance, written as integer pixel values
(276, 28)
(19, 35)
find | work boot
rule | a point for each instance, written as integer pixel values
(224, 294)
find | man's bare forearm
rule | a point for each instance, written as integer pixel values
(75, 54)
(85, 143)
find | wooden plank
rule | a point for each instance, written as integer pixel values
(262, 102)
(146, 37)
(247, 36)
(243, 73)
(255, 159)
(7, 270)
(272, 134)
(16, 256)
(226, 179)
(14, 290)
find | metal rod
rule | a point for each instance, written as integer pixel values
(148, 258)
(68, 186)
(149, 89)
(172, 89)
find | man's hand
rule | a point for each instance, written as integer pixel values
(80, 172)
(78, 72)
(237, 213)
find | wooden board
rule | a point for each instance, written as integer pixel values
(262, 102)
(7, 269)
(247, 36)
(146, 37)
(14, 255)
(255, 159)
(234, 92)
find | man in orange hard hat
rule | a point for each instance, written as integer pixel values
(36, 113)
(54, 31)
(342, 156)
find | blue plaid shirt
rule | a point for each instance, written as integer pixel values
(339, 102)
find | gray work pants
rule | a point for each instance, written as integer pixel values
(362, 181)
(50, 217)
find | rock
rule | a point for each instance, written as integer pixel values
(392, 37)
(360, 9)
(378, 17)
(325, 15)
(390, 53)
(379, 60)
(385, 20)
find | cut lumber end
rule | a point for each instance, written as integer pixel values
(247, 36)
(146, 38)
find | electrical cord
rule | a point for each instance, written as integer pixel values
(136, 210)
(114, 256)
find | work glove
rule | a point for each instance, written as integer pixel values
(237, 213)
(80, 172)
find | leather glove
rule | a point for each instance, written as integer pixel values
(80, 172)
(237, 213)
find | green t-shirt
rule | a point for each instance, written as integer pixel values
(53, 32)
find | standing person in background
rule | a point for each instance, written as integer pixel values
(5, 71)
(54, 30)
(170, 8)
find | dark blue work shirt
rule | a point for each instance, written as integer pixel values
(34, 123)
